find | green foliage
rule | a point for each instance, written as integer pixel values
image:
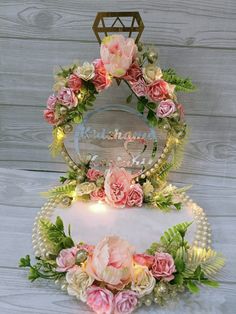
(182, 84)
(209, 260)
(129, 98)
(63, 190)
(165, 202)
(173, 238)
(55, 235)
(163, 170)
(45, 269)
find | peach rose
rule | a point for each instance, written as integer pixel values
(133, 73)
(101, 80)
(125, 302)
(163, 266)
(135, 196)
(143, 281)
(117, 54)
(93, 174)
(74, 83)
(166, 108)
(117, 184)
(67, 97)
(100, 300)
(144, 259)
(98, 195)
(158, 90)
(66, 259)
(51, 102)
(49, 116)
(111, 262)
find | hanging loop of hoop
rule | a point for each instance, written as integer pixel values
(119, 24)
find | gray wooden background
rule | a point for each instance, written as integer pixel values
(198, 38)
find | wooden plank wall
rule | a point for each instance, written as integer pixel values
(198, 38)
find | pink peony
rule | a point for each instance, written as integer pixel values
(125, 302)
(66, 259)
(74, 83)
(166, 108)
(117, 184)
(100, 300)
(101, 80)
(133, 73)
(163, 266)
(98, 195)
(49, 116)
(51, 102)
(67, 97)
(144, 259)
(139, 87)
(111, 262)
(94, 174)
(117, 54)
(135, 196)
(158, 90)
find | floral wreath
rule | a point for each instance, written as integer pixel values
(112, 278)
(76, 88)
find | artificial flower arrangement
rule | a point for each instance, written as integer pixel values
(76, 88)
(112, 277)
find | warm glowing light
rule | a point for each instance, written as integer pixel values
(98, 207)
(60, 134)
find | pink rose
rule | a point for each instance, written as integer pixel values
(125, 302)
(98, 195)
(158, 90)
(111, 262)
(49, 116)
(133, 73)
(135, 196)
(100, 300)
(166, 108)
(67, 97)
(163, 266)
(144, 259)
(74, 83)
(101, 79)
(139, 87)
(117, 54)
(51, 102)
(94, 174)
(117, 184)
(66, 259)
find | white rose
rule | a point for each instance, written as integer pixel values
(143, 281)
(78, 282)
(151, 73)
(86, 71)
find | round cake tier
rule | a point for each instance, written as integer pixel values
(92, 221)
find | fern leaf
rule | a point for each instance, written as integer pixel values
(181, 84)
(62, 190)
(178, 151)
(172, 239)
(209, 260)
(58, 139)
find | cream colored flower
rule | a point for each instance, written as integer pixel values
(151, 73)
(171, 90)
(143, 281)
(85, 188)
(60, 82)
(86, 71)
(147, 188)
(78, 282)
